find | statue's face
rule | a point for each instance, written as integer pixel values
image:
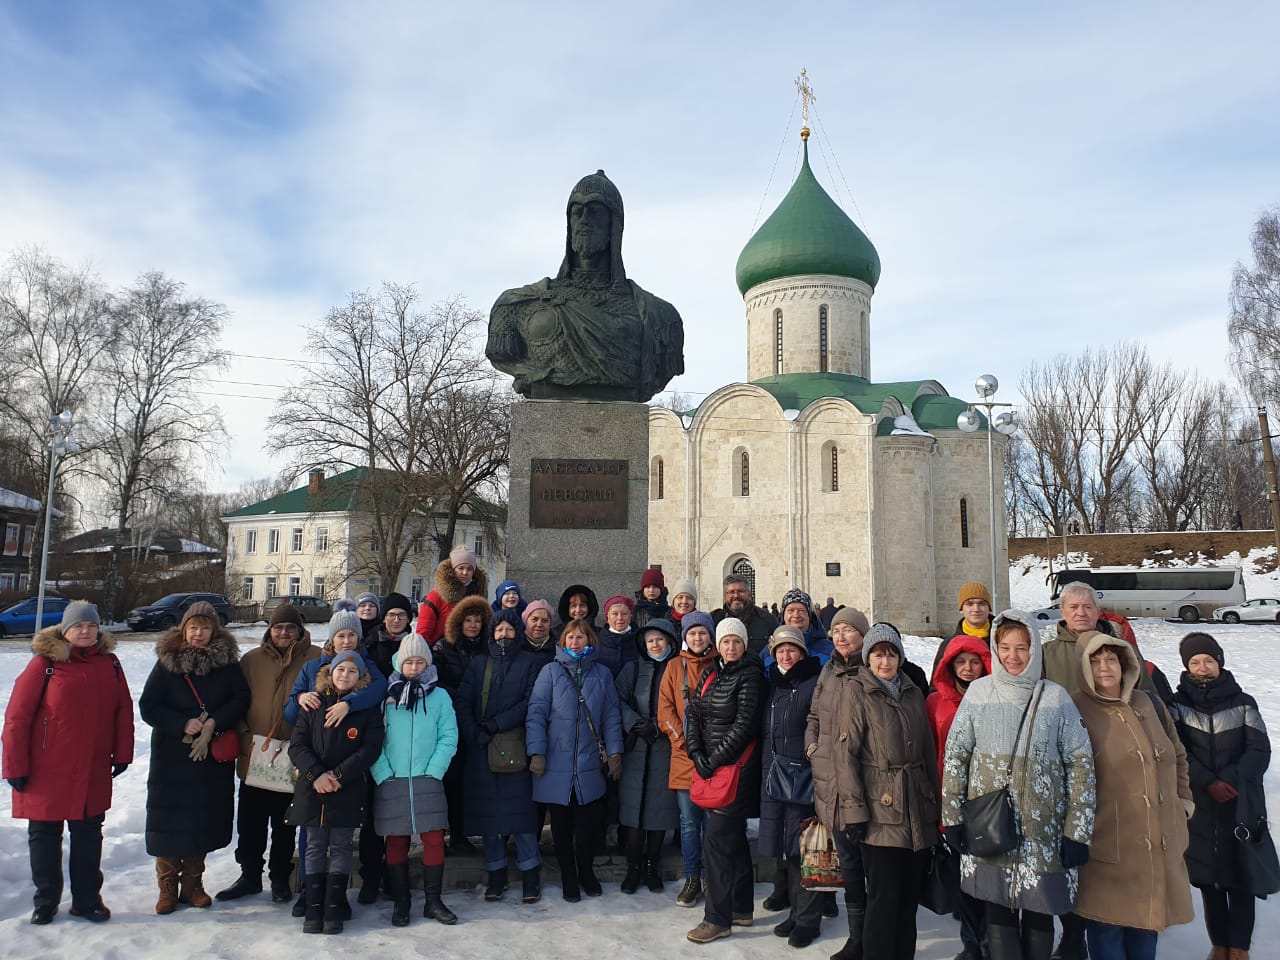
(589, 226)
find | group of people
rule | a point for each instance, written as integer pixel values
(1066, 778)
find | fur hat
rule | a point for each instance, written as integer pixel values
(286, 613)
(353, 657)
(619, 598)
(796, 595)
(536, 605)
(973, 591)
(787, 634)
(730, 627)
(395, 601)
(1196, 643)
(696, 618)
(652, 578)
(882, 633)
(82, 611)
(413, 646)
(204, 610)
(460, 554)
(684, 586)
(345, 620)
(853, 617)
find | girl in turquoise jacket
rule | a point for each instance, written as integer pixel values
(421, 738)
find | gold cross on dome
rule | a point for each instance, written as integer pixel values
(807, 96)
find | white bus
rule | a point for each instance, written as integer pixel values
(1189, 593)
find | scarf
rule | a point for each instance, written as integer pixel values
(405, 692)
(982, 632)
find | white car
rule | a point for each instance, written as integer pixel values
(1264, 610)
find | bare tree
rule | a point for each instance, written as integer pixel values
(1253, 325)
(55, 323)
(1176, 447)
(383, 376)
(155, 430)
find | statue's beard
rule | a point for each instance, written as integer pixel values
(589, 243)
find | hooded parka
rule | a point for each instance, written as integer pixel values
(679, 682)
(449, 590)
(786, 718)
(644, 795)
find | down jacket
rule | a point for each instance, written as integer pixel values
(417, 745)
(943, 703)
(785, 720)
(724, 718)
(64, 736)
(1052, 782)
(644, 797)
(362, 699)
(497, 803)
(1136, 876)
(826, 737)
(679, 682)
(433, 612)
(1225, 739)
(349, 750)
(557, 727)
(190, 803)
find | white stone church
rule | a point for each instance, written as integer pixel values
(810, 474)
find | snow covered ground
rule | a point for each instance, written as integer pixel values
(643, 925)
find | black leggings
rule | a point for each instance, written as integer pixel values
(1025, 919)
(1228, 916)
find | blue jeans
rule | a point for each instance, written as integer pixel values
(495, 851)
(693, 824)
(1109, 942)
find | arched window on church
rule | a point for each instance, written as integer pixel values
(657, 480)
(742, 473)
(829, 468)
(964, 522)
(742, 568)
(777, 341)
(822, 338)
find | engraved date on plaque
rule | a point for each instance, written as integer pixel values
(578, 494)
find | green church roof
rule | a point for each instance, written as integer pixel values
(337, 494)
(932, 411)
(807, 234)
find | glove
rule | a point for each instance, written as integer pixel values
(489, 727)
(704, 769)
(18, 783)
(1222, 792)
(954, 838)
(118, 768)
(647, 730)
(1074, 854)
(200, 745)
(483, 738)
(856, 832)
(537, 764)
(615, 766)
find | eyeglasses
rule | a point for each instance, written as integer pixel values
(285, 628)
(397, 615)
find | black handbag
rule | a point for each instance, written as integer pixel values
(941, 890)
(1258, 861)
(790, 782)
(990, 826)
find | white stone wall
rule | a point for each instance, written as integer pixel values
(284, 562)
(904, 574)
(848, 305)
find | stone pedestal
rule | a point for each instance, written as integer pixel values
(579, 497)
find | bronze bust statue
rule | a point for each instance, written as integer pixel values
(590, 333)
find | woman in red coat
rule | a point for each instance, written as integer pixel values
(67, 731)
(965, 659)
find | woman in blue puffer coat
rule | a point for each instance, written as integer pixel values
(421, 739)
(573, 734)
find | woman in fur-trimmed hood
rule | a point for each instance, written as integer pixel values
(456, 577)
(190, 796)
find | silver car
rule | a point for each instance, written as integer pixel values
(1264, 610)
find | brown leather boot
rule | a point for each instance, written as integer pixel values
(192, 891)
(167, 869)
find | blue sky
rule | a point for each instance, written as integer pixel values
(1035, 180)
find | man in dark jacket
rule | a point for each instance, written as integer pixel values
(740, 603)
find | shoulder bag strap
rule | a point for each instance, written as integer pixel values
(582, 705)
(48, 675)
(484, 688)
(1033, 699)
(199, 702)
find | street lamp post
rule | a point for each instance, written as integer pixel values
(59, 445)
(1005, 423)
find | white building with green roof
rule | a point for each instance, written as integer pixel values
(810, 474)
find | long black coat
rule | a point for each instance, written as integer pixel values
(644, 798)
(1225, 739)
(785, 720)
(349, 750)
(497, 803)
(723, 717)
(382, 647)
(616, 650)
(190, 803)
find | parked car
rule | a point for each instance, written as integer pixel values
(21, 617)
(1049, 614)
(313, 609)
(167, 611)
(1262, 610)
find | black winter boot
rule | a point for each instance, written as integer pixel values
(1072, 945)
(631, 882)
(653, 875)
(246, 885)
(780, 899)
(1036, 944)
(587, 873)
(569, 879)
(496, 886)
(852, 949)
(300, 905)
(531, 885)
(1003, 942)
(432, 885)
(398, 884)
(313, 889)
(335, 901)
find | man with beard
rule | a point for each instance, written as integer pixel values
(739, 602)
(590, 333)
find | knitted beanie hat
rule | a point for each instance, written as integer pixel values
(796, 595)
(344, 657)
(82, 611)
(460, 554)
(413, 646)
(652, 578)
(973, 591)
(854, 617)
(730, 627)
(345, 620)
(1196, 643)
(537, 605)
